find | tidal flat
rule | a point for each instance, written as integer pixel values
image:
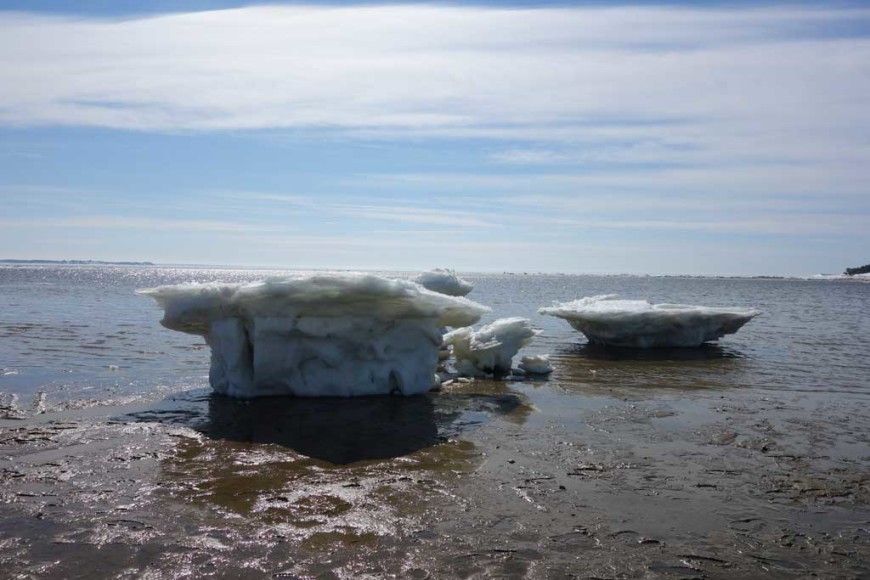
(474, 481)
(750, 459)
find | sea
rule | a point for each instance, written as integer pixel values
(744, 458)
(75, 331)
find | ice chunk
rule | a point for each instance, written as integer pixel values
(536, 364)
(444, 282)
(9, 407)
(325, 335)
(608, 320)
(491, 349)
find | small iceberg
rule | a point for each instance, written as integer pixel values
(444, 282)
(490, 350)
(337, 335)
(607, 320)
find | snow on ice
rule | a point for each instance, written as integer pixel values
(608, 320)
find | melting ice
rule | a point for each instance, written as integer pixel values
(491, 349)
(608, 320)
(324, 335)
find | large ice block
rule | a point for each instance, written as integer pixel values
(325, 335)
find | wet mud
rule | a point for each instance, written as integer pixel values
(511, 479)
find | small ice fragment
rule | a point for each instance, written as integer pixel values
(536, 364)
(467, 368)
(114, 367)
(444, 281)
(607, 320)
(9, 407)
(490, 350)
(39, 403)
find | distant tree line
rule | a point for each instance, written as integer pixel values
(77, 262)
(859, 270)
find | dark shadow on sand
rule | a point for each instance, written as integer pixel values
(336, 430)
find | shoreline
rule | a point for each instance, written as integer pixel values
(495, 478)
(410, 273)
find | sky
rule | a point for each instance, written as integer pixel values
(587, 137)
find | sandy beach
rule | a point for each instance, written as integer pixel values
(474, 481)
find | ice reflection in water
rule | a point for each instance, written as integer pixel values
(342, 431)
(586, 367)
(702, 353)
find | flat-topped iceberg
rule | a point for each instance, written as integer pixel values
(325, 335)
(607, 320)
(444, 282)
(490, 350)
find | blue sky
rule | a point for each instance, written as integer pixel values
(688, 137)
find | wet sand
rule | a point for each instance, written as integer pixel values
(483, 479)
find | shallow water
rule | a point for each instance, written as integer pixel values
(747, 458)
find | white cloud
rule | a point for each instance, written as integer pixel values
(284, 199)
(413, 214)
(116, 222)
(432, 67)
(536, 156)
(793, 225)
(612, 85)
(743, 180)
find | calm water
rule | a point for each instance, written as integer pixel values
(74, 331)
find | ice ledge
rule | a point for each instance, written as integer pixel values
(607, 320)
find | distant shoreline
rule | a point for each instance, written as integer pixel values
(816, 277)
(77, 262)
